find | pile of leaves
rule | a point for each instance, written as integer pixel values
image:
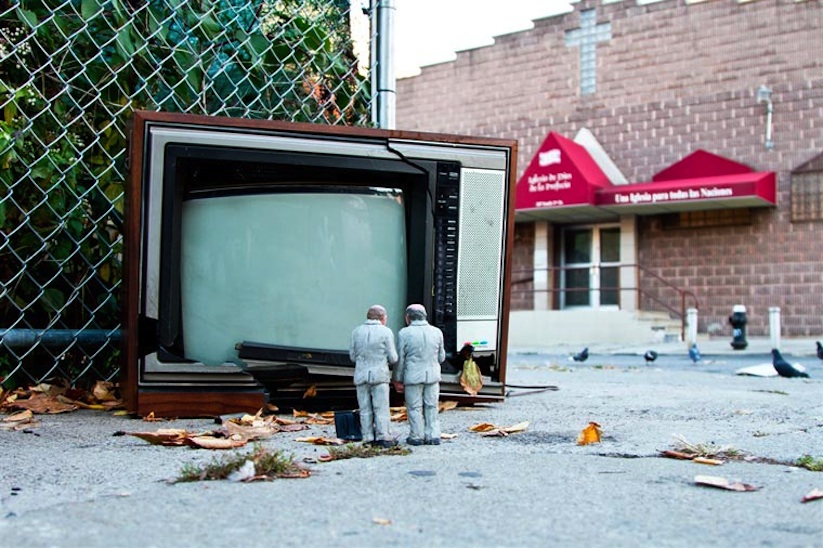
(55, 397)
(232, 433)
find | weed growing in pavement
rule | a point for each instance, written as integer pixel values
(707, 450)
(360, 451)
(810, 463)
(267, 465)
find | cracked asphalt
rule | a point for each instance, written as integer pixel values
(71, 482)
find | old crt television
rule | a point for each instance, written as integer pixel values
(253, 248)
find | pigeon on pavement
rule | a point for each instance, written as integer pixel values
(581, 356)
(694, 353)
(784, 368)
(650, 356)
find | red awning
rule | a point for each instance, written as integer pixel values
(560, 182)
(700, 181)
(756, 189)
(564, 184)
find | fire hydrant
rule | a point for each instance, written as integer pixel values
(738, 322)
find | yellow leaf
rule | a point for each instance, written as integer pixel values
(482, 427)
(590, 434)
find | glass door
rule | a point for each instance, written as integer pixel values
(591, 273)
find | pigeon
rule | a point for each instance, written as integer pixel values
(581, 356)
(784, 368)
(819, 350)
(694, 353)
(650, 356)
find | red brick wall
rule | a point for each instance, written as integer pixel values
(672, 79)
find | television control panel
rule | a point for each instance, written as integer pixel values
(446, 220)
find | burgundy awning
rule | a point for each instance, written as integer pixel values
(756, 189)
(560, 183)
(564, 184)
(700, 181)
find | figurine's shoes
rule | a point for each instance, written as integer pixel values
(433, 441)
(414, 441)
(385, 444)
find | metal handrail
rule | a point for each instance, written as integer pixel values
(684, 294)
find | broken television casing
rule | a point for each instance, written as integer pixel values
(253, 248)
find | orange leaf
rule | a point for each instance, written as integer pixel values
(590, 434)
(310, 392)
(320, 440)
(482, 427)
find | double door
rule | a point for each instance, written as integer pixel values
(590, 273)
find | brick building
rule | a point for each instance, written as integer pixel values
(717, 103)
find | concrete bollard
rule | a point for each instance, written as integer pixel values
(774, 326)
(691, 327)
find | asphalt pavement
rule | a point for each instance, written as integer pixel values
(71, 482)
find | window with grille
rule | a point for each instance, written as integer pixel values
(807, 196)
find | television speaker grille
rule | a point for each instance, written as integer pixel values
(480, 243)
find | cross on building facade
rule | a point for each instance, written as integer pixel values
(586, 38)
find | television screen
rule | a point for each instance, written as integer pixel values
(297, 269)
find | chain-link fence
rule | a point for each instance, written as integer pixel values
(71, 73)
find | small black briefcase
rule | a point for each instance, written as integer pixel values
(347, 425)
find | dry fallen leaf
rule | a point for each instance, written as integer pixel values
(446, 405)
(513, 429)
(310, 392)
(590, 434)
(19, 421)
(814, 494)
(164, 436)
(723, 483)
(707, 460)
(42, 404)
(20, 416)
(104, 391)
(482, 427)
(210, 442)
(382, 521)
(320, 440)
(447, 436)
(250, 432)
(676, 455)
(151, 418)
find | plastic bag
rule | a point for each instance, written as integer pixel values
(470, 379)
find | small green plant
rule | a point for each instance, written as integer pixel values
(355, 451)
(267, 465)
(810, 463)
